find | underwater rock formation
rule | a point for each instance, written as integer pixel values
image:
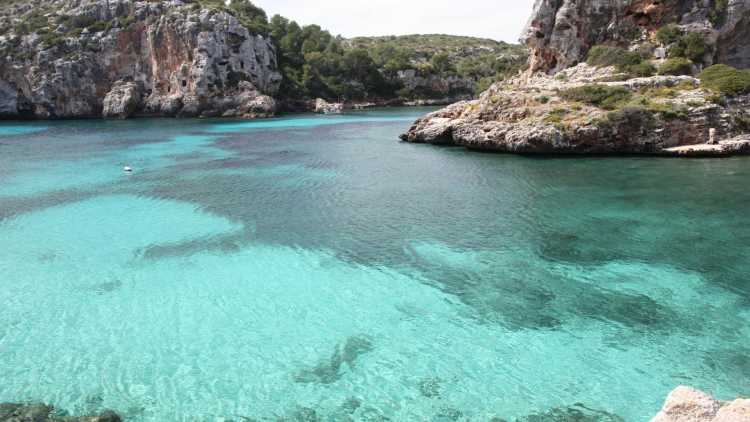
(17, 412)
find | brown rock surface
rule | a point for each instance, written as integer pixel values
(685, 404)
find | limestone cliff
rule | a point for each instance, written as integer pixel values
(88, 58)
(561, 32)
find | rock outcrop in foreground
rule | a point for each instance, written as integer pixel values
(16, 412)
(538, 116)
(118, 58)
(685, 404)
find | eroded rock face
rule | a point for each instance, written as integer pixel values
(531, 116)
(122, 101)
(685, 404)
(560, 32)
(178, 59)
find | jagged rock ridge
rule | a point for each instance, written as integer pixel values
(560, 32)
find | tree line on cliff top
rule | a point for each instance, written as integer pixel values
(315, 63)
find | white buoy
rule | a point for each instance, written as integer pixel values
(127, 169)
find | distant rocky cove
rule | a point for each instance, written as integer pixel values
(615, 77)
(684, 404)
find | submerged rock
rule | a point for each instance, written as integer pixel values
(17, 412)
(686, 404)
(577, 412)
(329, 370)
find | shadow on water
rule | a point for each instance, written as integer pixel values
(229, 243)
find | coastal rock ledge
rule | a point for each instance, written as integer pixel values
(685, 404)
(545, 114)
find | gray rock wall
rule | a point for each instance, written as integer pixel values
(560, 32)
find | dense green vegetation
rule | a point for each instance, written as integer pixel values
(691, 45)
(676, 66)
(718, 14)
(315, 63)
(603, 96)
(654, 100)
(726, 80)
(629, 62)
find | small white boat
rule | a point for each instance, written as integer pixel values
(127, 169)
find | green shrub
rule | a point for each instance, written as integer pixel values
(642, 69)
(668, 110)
(668, 34)
(676, 66)
(725, 80)
(602, 55)
(51, 40)
(718, 14)
(100, 26)
(556, 116)
(634, 119)
(630, 62)
(543, 99)
(606, 97)
(691, 46)
(661, 92)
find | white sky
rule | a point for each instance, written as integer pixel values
(497, 19)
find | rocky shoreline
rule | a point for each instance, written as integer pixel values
(609, 77)
(534, 116)
(684, 404)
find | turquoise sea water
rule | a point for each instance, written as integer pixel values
(314, 268)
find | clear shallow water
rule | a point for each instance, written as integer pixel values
(282, 268)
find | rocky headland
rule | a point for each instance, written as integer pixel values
(642, 77)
